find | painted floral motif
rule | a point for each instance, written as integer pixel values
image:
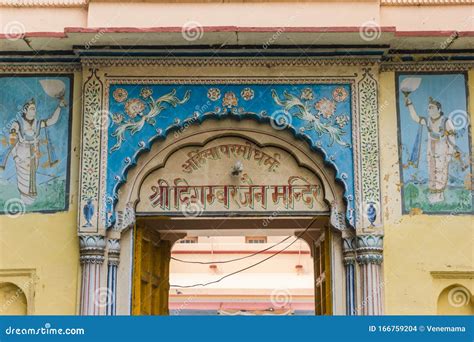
(339, 94)
(307, 94)
(117, 118)
(296, 106)
(214, 94)
(146, 93)
(229, 100)
(342, 120)
(134, 107)
(247, 94)
(120, 94)
(325, 107)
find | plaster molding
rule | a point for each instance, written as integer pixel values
(425, 66)
(225, 62)
(125, 219)
(18, 68)
(452, 274)
(44, 3)
(425, 2)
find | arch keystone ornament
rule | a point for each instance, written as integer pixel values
(134, 126)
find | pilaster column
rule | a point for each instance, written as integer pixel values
(113, 262)
(369, 255)
(92, 249)
(349, 259)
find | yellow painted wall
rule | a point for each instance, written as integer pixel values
(416, 245)
(47, 244)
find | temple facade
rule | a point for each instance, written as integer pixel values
(127, 126)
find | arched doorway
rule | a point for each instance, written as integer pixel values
(227, 175)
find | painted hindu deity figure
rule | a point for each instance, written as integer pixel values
(440, 149)
(25, 139)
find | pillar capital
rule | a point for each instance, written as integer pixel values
(369, 248)
(113, 247)
(349, 250)
(92, 248)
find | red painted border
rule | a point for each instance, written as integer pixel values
(210, 29)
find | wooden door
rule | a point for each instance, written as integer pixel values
(322, 274)
(150, 273)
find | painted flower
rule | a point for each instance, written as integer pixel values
(214, 94)
(247, 94)
(134, 107)
(117, 118)
(342, 120)
(307, 94)
(339, 94)
(229, 100)
(120, 94)
(326, 107)
(146, 93)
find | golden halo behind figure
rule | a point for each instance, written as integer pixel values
(54, 88)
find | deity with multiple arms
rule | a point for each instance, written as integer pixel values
(441, 145)
(25, 140)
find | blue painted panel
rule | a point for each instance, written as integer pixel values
(142, 114)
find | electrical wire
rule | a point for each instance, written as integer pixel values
(230, 260)
(251, 266)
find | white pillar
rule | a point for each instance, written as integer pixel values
(369, 255)
(92, 249)
(113, 262)
(348, 250)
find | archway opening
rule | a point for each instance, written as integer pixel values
(230, 273)
(225, 176)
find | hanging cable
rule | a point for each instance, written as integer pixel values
(253, 265)
(230, 260)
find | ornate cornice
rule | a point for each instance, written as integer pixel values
(425, 2)
(39, 67)
(425, 66)
(225, 61)
(124, 219)
(44, 3)
(92, 248)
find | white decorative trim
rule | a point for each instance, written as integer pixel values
(225, 61)
(125, 219)
(425, 66)
(39, 67)
(425, 2)
(44, 3)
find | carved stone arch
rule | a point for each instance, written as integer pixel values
(260, 134)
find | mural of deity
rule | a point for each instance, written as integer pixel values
(33, 156)
(435, 142)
